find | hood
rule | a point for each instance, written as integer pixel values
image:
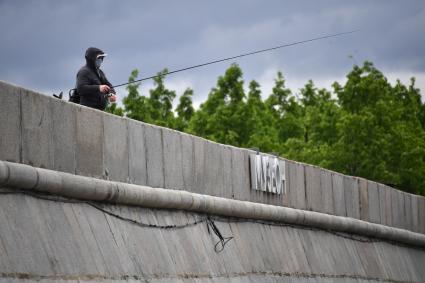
(91, 54)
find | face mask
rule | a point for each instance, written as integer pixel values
(98, 62)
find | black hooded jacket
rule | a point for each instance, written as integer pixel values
(88, 80)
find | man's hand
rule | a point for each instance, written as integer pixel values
(104, 88)
(112, 98)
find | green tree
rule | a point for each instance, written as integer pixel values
(184, 110)
(380, 135)
(136, 106)
(286, 111)
(279, 99)
(261, 130)
(161, 102)
(220, 117)
(155, 109)
(316, 116)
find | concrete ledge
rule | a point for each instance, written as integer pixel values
(20, 176)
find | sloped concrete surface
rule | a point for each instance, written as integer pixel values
(57, 241)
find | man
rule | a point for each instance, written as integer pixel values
(92, 85)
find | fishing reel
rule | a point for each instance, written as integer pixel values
(108, 96)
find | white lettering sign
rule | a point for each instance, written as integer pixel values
(267, 174)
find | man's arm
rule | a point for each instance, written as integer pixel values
(105, 81)
(111, 98)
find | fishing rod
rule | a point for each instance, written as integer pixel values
(225, 59)
(239, 56)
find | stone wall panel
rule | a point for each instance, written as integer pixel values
(364, 199)
(115, 148)
(10, 126)
(313, 189)
(37, 126)
(338, 194)
(89, 142)
(351, 196)
(373, 202)
(154, 156)
(64, 132)
(137, 153)
(173, 160)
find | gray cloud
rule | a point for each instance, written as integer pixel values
(43, 42)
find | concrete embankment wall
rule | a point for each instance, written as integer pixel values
(52, 241)
(46, 132)
(55, 239)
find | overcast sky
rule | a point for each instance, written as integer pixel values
(43, 42)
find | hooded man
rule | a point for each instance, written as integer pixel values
(92, 84)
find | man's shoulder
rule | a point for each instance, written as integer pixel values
(84, 70)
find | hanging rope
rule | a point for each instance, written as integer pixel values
(219, 246)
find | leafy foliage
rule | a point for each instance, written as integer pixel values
(184, 110)
(365, 127)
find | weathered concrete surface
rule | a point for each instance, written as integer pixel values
(241, 183)
(90, 140)
(312, 188)
(79, 243)
(64, 135)
(421, 215)
(10, 127)
(408, 216)
(199, 164)
(154, 156)
(173, 160)
(137, 153)
(285, 189)
(397, 209)
(296, 185)
(188, 159)
(351, 196)
(226, 169)
(213, 175)
(338, 194)
(37, 139)
(373, 202)
(116, 151)
(364, 199)
(385, 204)
(58, 135)
(415, 213)
(327, 191)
